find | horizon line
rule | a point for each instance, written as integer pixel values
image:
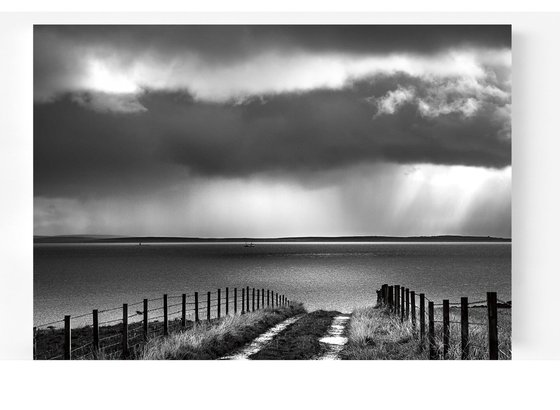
(115, 236)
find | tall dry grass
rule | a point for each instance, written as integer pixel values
(376, 334)
(211, 341)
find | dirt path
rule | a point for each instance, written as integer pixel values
(260, 342)
(300, 341)
(317, 335)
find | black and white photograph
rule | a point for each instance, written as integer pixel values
(272, 192)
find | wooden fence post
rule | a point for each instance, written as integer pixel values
(34, 342)
(276, 299)
(258, 299)
(125, 330)
(253, 301)
(407, 303)
(267, 298)
(431, 331)
(445, 328)
(413, 309)
(235, 301)
(208, 306)
(422, 317)
(464, 328)
(247, 299)
(390, 298)
(272, 298)
(219, 310)
(262, 297)
(196, 317)
(227, 301)
(145, 321)
(165, 316)
(397, 294)
(95, 332)
(67, 338)
(402, 304)
(184, 310)
(492, 301)
(242, 300)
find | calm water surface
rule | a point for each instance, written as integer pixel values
(76, 278)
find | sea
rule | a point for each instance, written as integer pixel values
(74, 279)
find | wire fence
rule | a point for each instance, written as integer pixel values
(122, 336)
(402, 302)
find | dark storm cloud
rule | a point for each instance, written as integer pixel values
(79, 149)
(227, 42)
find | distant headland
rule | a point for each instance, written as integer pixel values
(176, 239)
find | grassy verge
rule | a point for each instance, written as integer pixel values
(214, 340)
(299, 341)
(49, 342)
(376, 334)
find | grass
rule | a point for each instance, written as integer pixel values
(49, 342)
(300, 341)
(214, 340)
(376, 334)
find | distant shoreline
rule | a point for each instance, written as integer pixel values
(326, 239)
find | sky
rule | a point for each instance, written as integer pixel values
(270, 131)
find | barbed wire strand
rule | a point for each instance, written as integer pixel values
(109, 337)
(109, 310)
(82, 347)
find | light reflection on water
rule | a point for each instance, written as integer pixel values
(74, 279)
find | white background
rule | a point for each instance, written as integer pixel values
(536, 252)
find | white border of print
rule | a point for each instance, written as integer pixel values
(536, 223)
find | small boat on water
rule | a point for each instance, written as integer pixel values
(249, 245)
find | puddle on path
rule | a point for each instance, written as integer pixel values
(334, 339)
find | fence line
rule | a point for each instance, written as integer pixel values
(402, 303)
(101, 336)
